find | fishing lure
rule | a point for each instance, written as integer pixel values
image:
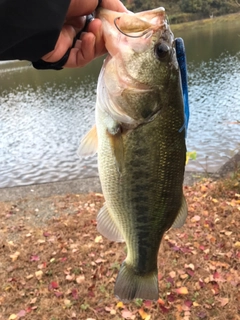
(182, 62)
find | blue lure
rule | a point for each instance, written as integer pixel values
(182, 62)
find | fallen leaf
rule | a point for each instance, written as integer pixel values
(143, 314)
(237, 244)
(196, 218)
(179, 307)
(113, 312)
(182, 290)
(14, 256)
(39, 274)
(11, 243)
(164, 309)
(202, 315)
(171, 297)
(172, 274)
(98, 239)
(34, 258)
(80, 279)
(108, 309)
(46, 234)
(126, 314)
(75, 294)
(148, 303)
(190, 266)
(53, 285)
(70, 277)
(223, 301)
(188, 304)
(12, 316)
(161, 301)
(67, 302)
(58, 294)
(33, 301)
(120, 305)
(21, 313)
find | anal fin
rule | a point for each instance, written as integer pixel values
(107, 227)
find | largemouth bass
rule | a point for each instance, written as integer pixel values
(140, 139)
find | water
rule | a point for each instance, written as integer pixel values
(214, 81)
(44, 113)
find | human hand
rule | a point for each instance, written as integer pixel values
(91, 44)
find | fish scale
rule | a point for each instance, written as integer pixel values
(140, 181)
(140, 133)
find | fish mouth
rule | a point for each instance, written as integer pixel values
(147, 32)
(137, 25)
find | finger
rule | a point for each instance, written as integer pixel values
(85, 50)
(95, 27)
(77, 22)
(64, 42)
(114, 5)
(83, 53)
(81, 8)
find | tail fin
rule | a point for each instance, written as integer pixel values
(130, 285)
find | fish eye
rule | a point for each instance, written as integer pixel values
(161, 50)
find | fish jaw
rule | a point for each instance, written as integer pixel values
(121, 28)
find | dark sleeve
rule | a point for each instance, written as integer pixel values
(30, 28)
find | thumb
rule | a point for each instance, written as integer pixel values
(81, 8)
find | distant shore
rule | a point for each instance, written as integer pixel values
(196, 24)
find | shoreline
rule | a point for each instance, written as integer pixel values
(92, 185)
(78, 186)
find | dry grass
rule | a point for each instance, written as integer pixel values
(62, 268)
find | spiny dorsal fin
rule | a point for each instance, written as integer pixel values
(89, 144)
(182, 215)
(107, 227)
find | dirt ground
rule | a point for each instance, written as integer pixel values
(55, 266)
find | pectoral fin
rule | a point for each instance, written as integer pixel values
(182, 215)
(89, 144)
(114, 134)
(107, 227)
(117, 148)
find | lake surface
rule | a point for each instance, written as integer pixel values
(43, 114)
